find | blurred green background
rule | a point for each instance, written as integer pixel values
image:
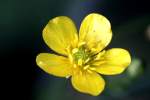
(21, 25)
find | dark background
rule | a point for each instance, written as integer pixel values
(21, 25)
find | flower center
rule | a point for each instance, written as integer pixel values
(80, 56)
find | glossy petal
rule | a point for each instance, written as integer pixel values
(95, 31)
(90, 83)
(113, 62)
(53, 64)
(60, 33)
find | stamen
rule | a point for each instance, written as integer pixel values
(91, 68)
(75, 50)
(99, 63)
(68, 49)
(74, 66)
(100, 55)
(69, 54)
(93, 49)
(81, 43)
(87, 60)
(86, 67)
(70, 58)
(89, 71)
(80, 62)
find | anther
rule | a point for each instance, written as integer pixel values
(93, 49)
(68, 49)
(86, 67)
(74, 66)
(99, 63)
(100, 55)
(89, 71)
(80, 62)
(91, 68)
(75, 50)
(81, 43)
(70, 58)
(87, 60)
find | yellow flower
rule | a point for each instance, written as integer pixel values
(82, 57)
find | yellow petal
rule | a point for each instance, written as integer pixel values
(60, 33)
(95, 30)
(53, 64)
(113, 62)
(90, 83)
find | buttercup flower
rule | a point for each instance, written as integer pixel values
(82, 56)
